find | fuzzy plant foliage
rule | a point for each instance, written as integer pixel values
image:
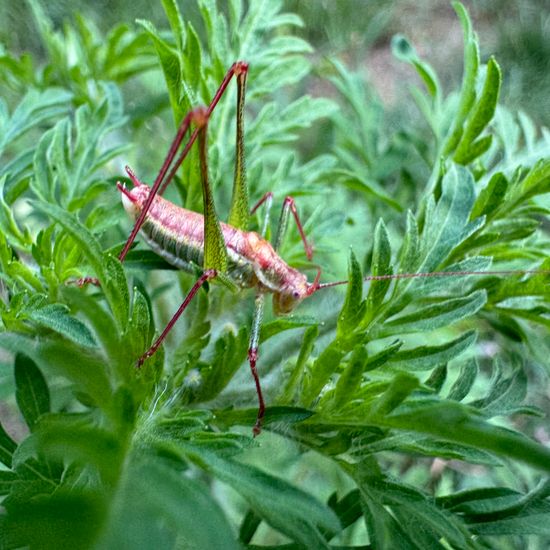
(400, 413)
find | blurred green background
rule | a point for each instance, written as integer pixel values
(359, 32)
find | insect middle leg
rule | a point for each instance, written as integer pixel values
(289, 206)
(171, 163)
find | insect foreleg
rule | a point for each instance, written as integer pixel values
(170, 166)
(184, 126)
(206, 276)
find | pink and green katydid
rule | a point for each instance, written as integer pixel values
(227, 252)
(239, 258)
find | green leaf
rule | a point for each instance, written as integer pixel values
(102, 323)
(350, 379)
(73, 438)
(297, 374)
(7, 481)
(35, 109)
(381, 258)
(176, 22)
(425, 523)
(323, 368)
(403, 50)
(142, 259)
(464, 381)
(64, 358)
(428, 357)
(454, 422)
(468, 91)
(491, 197)
(87, 242)
(537, 181)
(481, 115)
(286, 508)
(501, 511)
(115, 287)
(382, 357)
(384, 529)
(32, 393)
(354, 307)
(283, 415)
(171, 63)
(283, 324)
(57, 318)
(229, 353)
(68, 517)
(408, 256)
(400, 387)
(506, 395)
(475, 150)
(449, 224)
(7, 447)
(412, 443)
(441, 314)
(156, 505)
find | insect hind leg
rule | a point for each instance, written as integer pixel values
(206, 276)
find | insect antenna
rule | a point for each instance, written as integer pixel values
(319, 286)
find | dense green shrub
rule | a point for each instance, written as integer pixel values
(396, 419)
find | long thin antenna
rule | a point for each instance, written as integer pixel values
(440, 274)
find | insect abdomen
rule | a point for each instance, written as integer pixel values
(177, 235)
(177, 250)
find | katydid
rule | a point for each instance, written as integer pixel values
(228, 252)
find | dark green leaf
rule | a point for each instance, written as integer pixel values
(56, 317)
(491, 197)
(354, 307)
(7, 481)
(468, 89)
(400, 387)
(7, 447)
(157, 505)
(350, 379)
(32, 393)
(449, 224)
(64, 358)
(297, 374)
(441, 314)
(285, 323)
(428, 357)
(279, 414)
(480, 116)
(286, 508)
(464, 381)
(454, 422)
(381, 258)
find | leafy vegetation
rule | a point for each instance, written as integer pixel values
(400, 416)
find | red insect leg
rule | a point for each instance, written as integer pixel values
(206, 276)
(288, 206)
(162, 180)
